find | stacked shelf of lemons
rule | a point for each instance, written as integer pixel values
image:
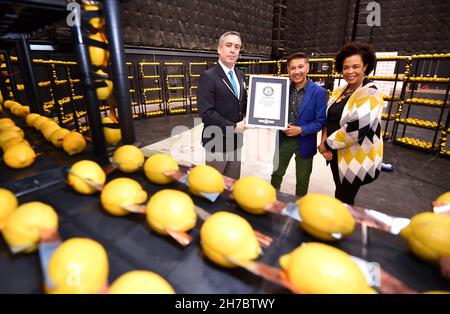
(419, 123)
(416, 143)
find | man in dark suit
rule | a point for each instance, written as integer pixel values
(222, 101)
(307, 116)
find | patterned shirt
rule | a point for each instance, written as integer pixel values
(295, 100)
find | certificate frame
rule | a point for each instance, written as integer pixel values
(268, 102)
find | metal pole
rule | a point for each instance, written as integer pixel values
(90, 95)
(121, 84)
(28, 75)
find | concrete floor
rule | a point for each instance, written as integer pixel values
(418, 179)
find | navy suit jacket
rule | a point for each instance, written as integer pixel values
(311, 118)
(218, 106)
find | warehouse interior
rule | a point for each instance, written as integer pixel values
(126, 72)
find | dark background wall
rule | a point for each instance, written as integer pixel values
(407, 26)
(197, 24)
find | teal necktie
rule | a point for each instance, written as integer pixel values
(233, 83)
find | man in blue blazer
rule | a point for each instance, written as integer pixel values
(306, 117)
(222, 102)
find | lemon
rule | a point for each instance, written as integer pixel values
(129, 158)
(9, 204)
(140, 282)
(74, 143)
(20, 111)
(85, 170)
(205, 179)
(320, 268)
(58, 135)
(254, 194)
(323, 215)
(98, 55)
(49, 130)
(171, 210)
(47, 124)
(112, 136)
(104, 92)
(121, 192)
(23, 226)
(96, 22)
(158, 164)
(31, 118)
(428, 236)
(9, 103)
(38, 122)
(225, 234)
(12, 142)
(444, 198)
(79, 265)
(7, 135)
(5, 123)
(19, 156)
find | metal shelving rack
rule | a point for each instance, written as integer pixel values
(440, 106)
(155, 87)
(180, 89)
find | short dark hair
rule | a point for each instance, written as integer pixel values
(297, 55)
(366, 52)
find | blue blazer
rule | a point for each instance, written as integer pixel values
(311, 118)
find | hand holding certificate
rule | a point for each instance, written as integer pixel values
(267, 105)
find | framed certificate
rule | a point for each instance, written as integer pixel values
(268, 102)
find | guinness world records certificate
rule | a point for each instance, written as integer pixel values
(268, 102)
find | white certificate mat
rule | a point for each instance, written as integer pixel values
(267, 101)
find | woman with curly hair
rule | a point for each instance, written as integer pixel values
(351, 140)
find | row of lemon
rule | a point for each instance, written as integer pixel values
(432, 56)
(432, 102)
(427, 79)
(419, 122)
(415, 142)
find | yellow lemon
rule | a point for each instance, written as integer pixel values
(21, 111)
(38, 122)
(1, 108)
(49, 130)
(171, 210)
(74, 143)
(8, 103)
(7, 135)
(9, 204)
(96, 22)
(104, 92)
(85, 170)
(19, 156)
(428, 236)
(112, 136)
(323, 215)
(205, 179)
(79, 265)
(6, 122)
(31, 118)
(98, 55)
(444, 198)
(254, 194)
(158, 164)
(122, 192)
(23, 227)
(140, 282)
(12, 142)
(129, 158)
(58, 135)
(320, 268)
(47, 124)
(225, 234)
